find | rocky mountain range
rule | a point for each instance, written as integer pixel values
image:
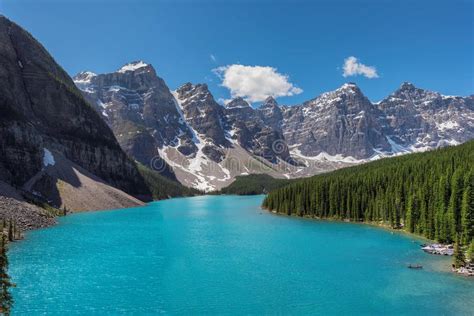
(185, 134)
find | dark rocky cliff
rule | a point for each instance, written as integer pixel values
(41, 108)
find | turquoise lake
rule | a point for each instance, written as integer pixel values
(224, 255)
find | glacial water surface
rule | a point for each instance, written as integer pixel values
(224, 255)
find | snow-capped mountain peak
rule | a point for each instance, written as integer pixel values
(349, 85)
(418, 96)
(421, 119)
(84, 76)
(83, 80)
(133, 66)
(269, 102)
(238, 103)
(407, 86)
(349, 88)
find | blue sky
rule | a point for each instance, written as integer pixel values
(429, 43)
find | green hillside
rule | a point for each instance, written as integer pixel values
(162, 187)
(254, 184)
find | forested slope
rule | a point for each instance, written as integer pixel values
(430, 194)
(254, 184)
(162, 187)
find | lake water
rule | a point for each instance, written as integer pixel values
(224, 255)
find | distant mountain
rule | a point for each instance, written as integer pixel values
(205, 118)
(140, 109)
(420, 119)
(258, 131)
(206, 145)
(342, 122)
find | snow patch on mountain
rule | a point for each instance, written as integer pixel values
(85, 76)
(397, 148)
(199, 166)
(324, 156)
(132, 66)
(447, 125)
(48, 158)
(83, 81)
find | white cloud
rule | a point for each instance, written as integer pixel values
(213, 58)
(255, 83)
(352, 67)
(223, 101)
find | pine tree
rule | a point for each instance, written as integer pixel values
(441, 198)
(470, 252)
(6, 299)
(455, 202)
(11, 237)
(411, 214)
(467, 210)
(459, 259)
(398, 208)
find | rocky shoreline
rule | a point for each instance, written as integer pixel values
(26, 216)
(448, 250)
(438, 249)
(467, 270)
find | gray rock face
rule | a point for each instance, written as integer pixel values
(258, 131)
(271, 113)
(244, 121)
(205, 117)
(340, 122)
(203, 113)
(420, 119)
(140, 109)
(41, 108)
